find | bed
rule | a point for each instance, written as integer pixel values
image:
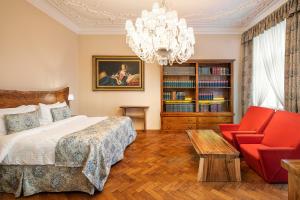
(74, 154)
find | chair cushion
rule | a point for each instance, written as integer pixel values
(256, 119)
(283, 130)
(251, 156)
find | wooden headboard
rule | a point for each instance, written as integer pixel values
(14, 98)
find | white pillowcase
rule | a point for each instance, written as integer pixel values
(17, 110)
(45, 112)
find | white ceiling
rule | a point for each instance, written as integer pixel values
(205, 16)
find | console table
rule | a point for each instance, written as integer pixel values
(140, 115)
(293, 168)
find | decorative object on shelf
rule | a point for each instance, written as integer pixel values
(159, 35)
(118, 73)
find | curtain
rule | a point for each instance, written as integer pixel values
(268, 67)
(247, 50)
(292, 62)
(271, 20)
(260, 83)
(289, 11)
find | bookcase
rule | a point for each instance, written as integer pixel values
(197, 95)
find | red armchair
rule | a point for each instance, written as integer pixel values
(281, 140)
(254, 122)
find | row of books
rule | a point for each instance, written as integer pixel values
(213, 83)
(212, 108)
(206, 96)
(180, 84)
(174, 95)
(185, 107)
(179, 71)
(214, 70)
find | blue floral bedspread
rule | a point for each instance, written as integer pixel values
(96, 148)
(82, 161)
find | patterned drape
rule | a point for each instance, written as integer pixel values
(247, 71)
(290, 12)
(292, 60)
(271, 20)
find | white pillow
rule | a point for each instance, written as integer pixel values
(45, 112)
(17, 110)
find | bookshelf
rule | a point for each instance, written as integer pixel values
(197, 95)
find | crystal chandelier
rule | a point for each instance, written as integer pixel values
(159, 35)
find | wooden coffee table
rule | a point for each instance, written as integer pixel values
(219, 161)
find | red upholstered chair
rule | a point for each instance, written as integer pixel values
(281, 140)
(254, 122)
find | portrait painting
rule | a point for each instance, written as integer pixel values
(118, 73)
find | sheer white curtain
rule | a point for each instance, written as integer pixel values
(268, 67)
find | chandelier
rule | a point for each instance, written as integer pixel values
(159, 35)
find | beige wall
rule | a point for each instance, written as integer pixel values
(107, 102)
(36, 52)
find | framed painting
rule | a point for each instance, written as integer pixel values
(118, 73)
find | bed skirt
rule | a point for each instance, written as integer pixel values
(34, 179)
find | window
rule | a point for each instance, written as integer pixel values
(268, 67)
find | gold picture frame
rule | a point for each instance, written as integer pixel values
(118, 73)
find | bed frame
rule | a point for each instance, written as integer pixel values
(14, 98)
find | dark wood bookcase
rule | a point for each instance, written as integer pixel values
(197, 94)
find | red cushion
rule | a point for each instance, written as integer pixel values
(251, 156)
(283, 130)
(228, 136)
(256, 119)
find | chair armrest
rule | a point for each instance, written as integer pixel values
(270, 158)
(249, 138)
(234, 133)
(229, 127)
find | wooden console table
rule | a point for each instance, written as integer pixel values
(219, 161)
(293, 168)
(137, 116)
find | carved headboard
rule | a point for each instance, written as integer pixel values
(14, 98)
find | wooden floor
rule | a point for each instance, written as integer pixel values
(164, 166)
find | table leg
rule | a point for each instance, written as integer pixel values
(237, 167)
(145, 120)
(202, 171)
(217, 168)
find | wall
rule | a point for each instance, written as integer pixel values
(107, 102)
(36, 52)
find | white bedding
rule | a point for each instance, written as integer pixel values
(37, 146)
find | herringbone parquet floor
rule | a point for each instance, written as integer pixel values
(164, 166)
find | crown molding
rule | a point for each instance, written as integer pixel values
(47, 8)
(264, 14)
(118, 29)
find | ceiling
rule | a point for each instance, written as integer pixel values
(205, 16)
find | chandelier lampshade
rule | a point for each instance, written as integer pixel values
(160, 35)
